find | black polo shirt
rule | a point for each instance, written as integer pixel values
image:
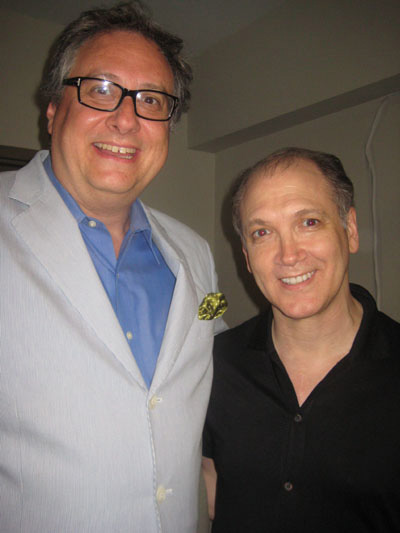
(331, 465)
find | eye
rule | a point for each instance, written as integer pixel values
(260, 233)
(151, 100)
(101, 90)
(310, 222)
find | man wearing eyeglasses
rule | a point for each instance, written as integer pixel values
(105, 364)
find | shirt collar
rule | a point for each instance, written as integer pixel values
(139, 221)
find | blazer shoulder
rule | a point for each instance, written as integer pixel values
(27, 184)
(192, 246)
(177, 242)
(7, 180)
(174, 226)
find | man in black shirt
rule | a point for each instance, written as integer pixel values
(303, 427)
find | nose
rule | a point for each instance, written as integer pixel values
(124, 118)
(290, 250)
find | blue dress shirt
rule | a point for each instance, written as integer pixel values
(138, 283)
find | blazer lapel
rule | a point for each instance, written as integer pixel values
(53, 236)
(184, 305)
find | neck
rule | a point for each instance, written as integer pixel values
(309, 348)
(117, 222)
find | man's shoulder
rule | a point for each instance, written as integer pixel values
(168, 222)
(386, 333)
(7, 180)
(380, 332)
(249, 333)
(180, 236)
(379, 322)
(176, 241)
(26, 182)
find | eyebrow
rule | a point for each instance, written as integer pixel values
(257, 222)
(305, 212)
(300, 213)
(108, 76)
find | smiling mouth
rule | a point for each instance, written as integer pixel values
(298, 279)
(120, 151)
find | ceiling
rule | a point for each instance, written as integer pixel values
(200, 23)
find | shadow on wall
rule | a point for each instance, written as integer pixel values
(42, 102)
(44, 137)
(243, 274)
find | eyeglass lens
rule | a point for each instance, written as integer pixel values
(106, 95)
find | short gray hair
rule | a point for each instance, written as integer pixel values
(329, 165)
(126, 16)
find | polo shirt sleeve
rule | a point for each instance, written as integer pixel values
(208, 442)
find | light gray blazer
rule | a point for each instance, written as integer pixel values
(84, 445)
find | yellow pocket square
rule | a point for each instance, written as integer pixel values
(214, 305)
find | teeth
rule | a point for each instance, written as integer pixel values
(116, 149)
(298, 279)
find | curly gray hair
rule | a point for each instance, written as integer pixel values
(126, 16)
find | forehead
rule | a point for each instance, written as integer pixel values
(123, 55)
(301, 184)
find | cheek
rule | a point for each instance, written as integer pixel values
(259, 262)
(333, 250)
(156, 134)
(158, 143)
(322, 246)
(81, 122)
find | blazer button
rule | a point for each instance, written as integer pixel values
(154, 400)
(161, 493)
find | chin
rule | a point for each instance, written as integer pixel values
(299, 311)
(118, 183)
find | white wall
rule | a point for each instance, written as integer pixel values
(345, 134)
(312, 73)
(302, 60)
(24, 45)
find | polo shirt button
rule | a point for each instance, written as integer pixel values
(92, 223)
(129, 335)
(298, 417)
(288, 486)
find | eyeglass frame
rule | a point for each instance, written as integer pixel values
(76, 82)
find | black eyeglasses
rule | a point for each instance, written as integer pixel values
(105, 95)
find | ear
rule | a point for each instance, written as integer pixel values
(50, 114)
(246, 256)
(352, 231)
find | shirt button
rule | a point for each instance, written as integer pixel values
(154, 400)
(129, 335)
(298, 417)
(92, 223)
(162, 492)
(288, 486)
